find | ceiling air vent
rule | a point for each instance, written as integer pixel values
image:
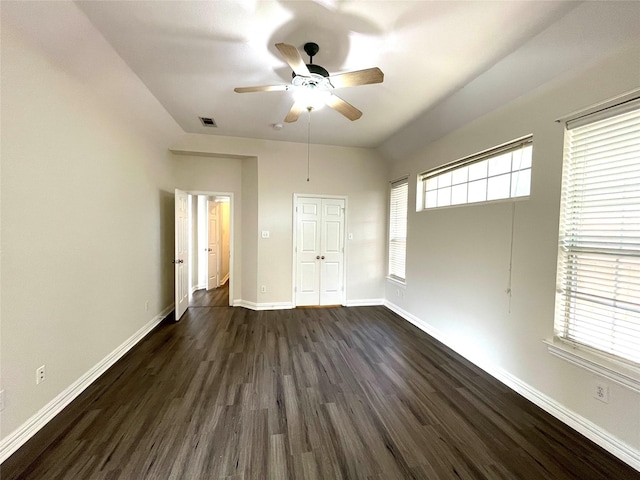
(208, 122)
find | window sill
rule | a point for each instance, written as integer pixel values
(622, 373)
(395, 281)
(471, 204)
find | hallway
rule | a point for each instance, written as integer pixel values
(217, 297)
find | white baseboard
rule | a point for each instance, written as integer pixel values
(224, 279)
(263, 306)
(195, 288)
(288, 305)
(587, 428)
(28, 429)
(366, 302)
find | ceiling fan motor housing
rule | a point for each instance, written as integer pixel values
(312, 49)
(313, 68)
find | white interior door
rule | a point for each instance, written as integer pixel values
(309, 214)
(319, 251)
(332, 252)
(180, 258)
(213, 245)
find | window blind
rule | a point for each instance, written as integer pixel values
(495, 174)
(598, 300)
(398, 228)
(514, 145)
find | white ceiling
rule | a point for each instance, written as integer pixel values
(191, 55)
(445, 63)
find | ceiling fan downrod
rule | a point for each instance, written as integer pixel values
(311, 49)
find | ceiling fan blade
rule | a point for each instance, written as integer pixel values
(360, 77)
(263, 88)
(296, 109)
(292, 56)
(345, 108)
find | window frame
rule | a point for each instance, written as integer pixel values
(438, 173)
(576, 348)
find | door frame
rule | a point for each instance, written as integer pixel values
(294, 262)
(231, 234)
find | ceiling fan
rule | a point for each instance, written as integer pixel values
(313, 86)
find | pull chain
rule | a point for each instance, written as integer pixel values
(308, 140)
(513, 220)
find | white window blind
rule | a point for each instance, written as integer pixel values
(598, 300)
(498, 173)
(398, 228)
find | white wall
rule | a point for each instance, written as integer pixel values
(271, 173)
(249, 230)
(458, 258)
(86, 203)
(358, 174)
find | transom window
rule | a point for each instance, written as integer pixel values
(495, 174)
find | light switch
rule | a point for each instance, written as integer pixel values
(265, 233)
(351, 236)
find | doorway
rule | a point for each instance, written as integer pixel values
(192, 250)
(319, 254)
(211, 259)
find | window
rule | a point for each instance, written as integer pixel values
(502, 172)
(398, 228)
(598, 286)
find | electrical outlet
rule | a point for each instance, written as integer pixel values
(146, 306)
(263, 289)
(1, 399)
(40, 375)
(601, 392)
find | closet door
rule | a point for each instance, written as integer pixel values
(319, 251)
(332, 252)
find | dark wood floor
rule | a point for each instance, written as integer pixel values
(218, 297)
(338, 393)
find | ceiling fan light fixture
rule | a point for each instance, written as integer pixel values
(312, 85)
(311, 97)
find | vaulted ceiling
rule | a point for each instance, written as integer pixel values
(191, 55)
